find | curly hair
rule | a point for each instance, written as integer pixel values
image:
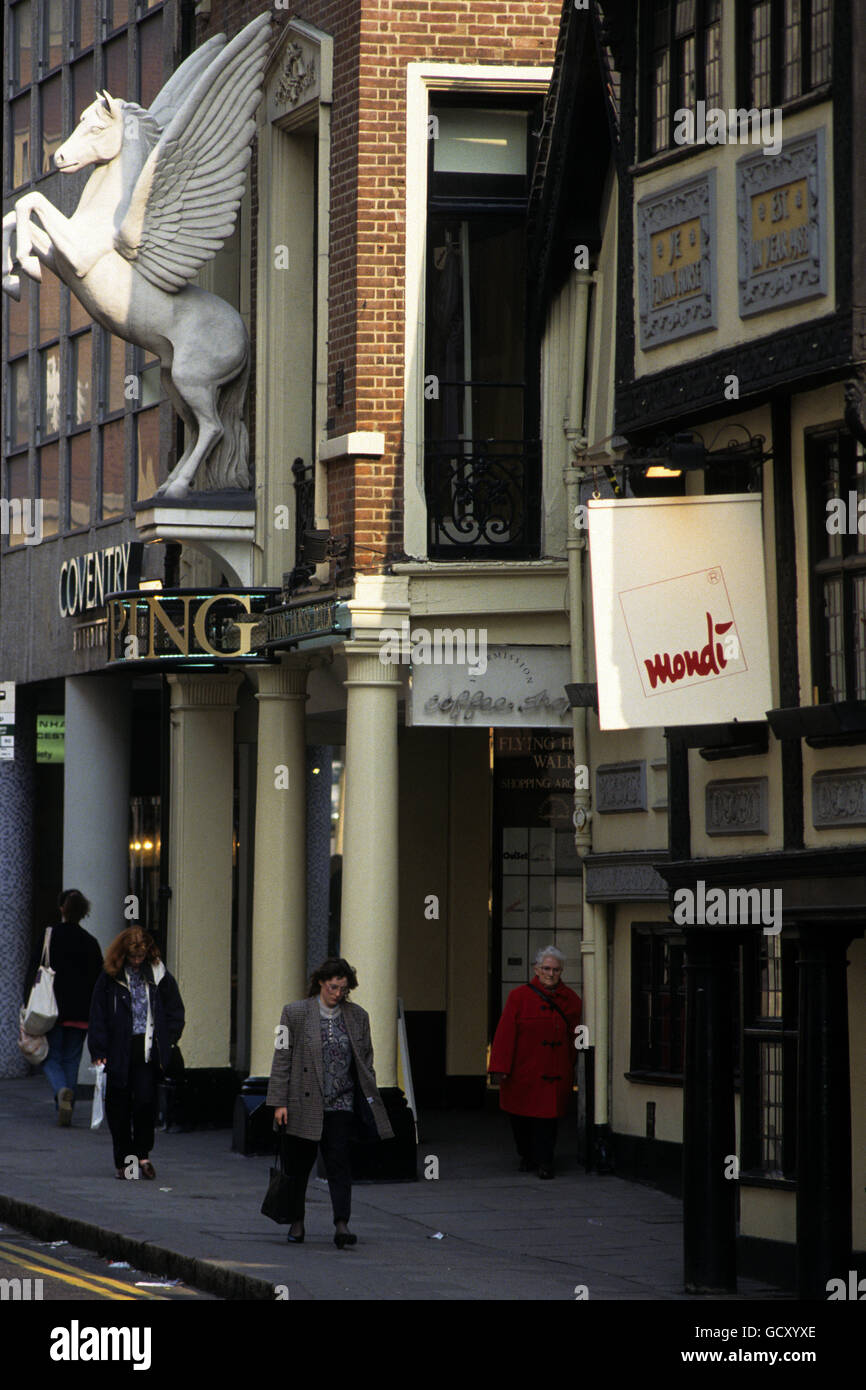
(334, 968)
(73, 905)
(115, 956)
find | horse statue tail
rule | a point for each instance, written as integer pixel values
(228, 465)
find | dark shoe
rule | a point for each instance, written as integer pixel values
(146, 1168)
(119, 1173)
(544, 1172)
(65, 1102)
(526, 1166)
(298, 1238)
(344, 1238)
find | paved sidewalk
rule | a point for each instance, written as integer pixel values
(506, 1235)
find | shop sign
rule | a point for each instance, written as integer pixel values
(676, 231)
(522, 687)
(86, 579)
(781, 215)
(185, 627)
(50, 738)
(298, 623)
(680, 610)
(7, 721)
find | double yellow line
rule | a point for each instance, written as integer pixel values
(98, 1284)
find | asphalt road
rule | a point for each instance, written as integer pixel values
(58, 1272)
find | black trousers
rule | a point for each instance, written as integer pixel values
(535, 1139)
(131, 1109)
(299, 1155)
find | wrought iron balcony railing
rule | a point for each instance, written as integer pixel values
(483, 499)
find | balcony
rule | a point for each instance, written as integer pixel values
(483, 499)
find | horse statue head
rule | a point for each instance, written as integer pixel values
(108, 127)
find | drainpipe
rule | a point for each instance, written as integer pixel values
(594, 936)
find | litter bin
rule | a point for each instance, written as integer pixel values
(253, 1127)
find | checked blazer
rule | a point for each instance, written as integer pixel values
(297, 1073)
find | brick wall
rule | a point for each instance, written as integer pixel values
(374, 40)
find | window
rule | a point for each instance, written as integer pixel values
(79, 480)
(20, 134)
(658, 1001)
(769, 1057)
(17, 489)
(113, 469)
(684, 40)
(786, 49)
(79, 379)
(836, 478)
(19, 403)
(482, 470)
(49, 488)
(51, 115)
(84, 24)
(52, 38)
(21, 45)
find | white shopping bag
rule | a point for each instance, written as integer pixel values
(98, 1109)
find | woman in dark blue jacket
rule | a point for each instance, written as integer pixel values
(136, 1015)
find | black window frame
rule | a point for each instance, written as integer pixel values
(647, 84)
(745, 93)
(759, 1031)
(850, 564)
(644, 1059)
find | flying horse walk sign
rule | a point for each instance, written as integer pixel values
(161, 201)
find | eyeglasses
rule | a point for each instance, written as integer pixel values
(550, 969)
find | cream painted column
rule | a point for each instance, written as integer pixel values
(280, 873)
(369, 923)
(200, 859)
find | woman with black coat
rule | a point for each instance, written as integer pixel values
(136, 1016)
(76, 959)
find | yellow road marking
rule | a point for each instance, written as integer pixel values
(95, 1283)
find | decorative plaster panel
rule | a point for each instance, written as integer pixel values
(839, 798)
(676, 247)
(737, 806)
(781, 217)
(620, 787)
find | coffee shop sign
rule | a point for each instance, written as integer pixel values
(523, 687)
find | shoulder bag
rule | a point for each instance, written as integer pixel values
(41, 1011)
(277, 1205)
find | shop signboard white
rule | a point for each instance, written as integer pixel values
(7, 721)
(680, 610)
(521, 687)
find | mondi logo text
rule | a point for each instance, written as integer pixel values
(21, 516)
(445, 646)
(729, 907)
(77, 1343)
(713, 126)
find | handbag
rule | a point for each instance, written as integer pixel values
(277, 1205)
(41, 1012)
(33, 1045)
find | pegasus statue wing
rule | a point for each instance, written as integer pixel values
(172, 96)
(187, 195)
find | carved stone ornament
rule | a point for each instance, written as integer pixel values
(298, 74)
(781, 221)
(161, 202)
(839, 798)
(737, 806)
(624, 878)
(676, 249)
(620, 787)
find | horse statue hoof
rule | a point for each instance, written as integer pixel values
(12, 286)
(32, 266)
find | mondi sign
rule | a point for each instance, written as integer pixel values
(178, 627)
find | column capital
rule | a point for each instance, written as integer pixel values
(284, 681)
(366, 667)
(197, 690)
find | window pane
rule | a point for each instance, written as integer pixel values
(858, 614)
(49, 307)
(22, 44)
(147, 432)
(791, 65)
(661, 94)
(760, 54)
(20, 141)
(85, 26)
(82, 86)
(52, 121)
(116, 370)
(78, 315)
(49, 488)
(834, 638)
(684, 20)
(687, 72)
(113, 469)
(771, 1106)
(713, 62)
(821, 51)
(53, 38)
(19, 403)
(480, 142)
(79, 480)
(18, 487)
(80, 375)
(151, 387)
(150, 58)
(18, 318)
(116, 79)
(118, 13)
(49, 370)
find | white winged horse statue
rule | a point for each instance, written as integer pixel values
(161, 202)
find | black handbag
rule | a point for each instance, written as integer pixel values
(277, 1205)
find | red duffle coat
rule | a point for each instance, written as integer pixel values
(535, 1046)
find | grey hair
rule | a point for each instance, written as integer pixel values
(549, 951)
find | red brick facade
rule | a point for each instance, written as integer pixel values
(374, 40)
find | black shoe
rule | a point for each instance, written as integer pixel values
(544, 1172)
(343, 1238)
(295, 1240)
(526, 1166)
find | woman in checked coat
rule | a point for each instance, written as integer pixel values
(323, 1089)
(532, 1057)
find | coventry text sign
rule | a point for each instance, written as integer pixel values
(86, 579)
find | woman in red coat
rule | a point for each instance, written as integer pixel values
(532, 1058)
